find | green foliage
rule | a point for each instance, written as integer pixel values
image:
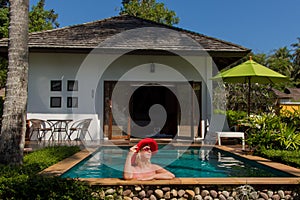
(292, 118)
(291, 158)
(262, 130)
(280, 61)
(23, 182)
(41, 19)
(262, 98)
(151, 10)
(260, 58)
(39, 160)
(288, 138)
(4, 22)
(296, 62)
(272, 131)
(3, 71)
(48, 156)
(296, 52)
(42, 187)
(234, 117)
(286, 61)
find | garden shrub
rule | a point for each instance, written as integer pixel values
(234, 117)
(272, 132)
(24, 182)
(288, 138)
(292, 118)
(44, 187)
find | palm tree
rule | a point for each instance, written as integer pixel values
(296, 62)
(281, 61)
(12, 137)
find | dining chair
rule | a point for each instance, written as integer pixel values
(81, 127)
(39, 128)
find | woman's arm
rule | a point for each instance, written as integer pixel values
(160, 174)
(128, 168)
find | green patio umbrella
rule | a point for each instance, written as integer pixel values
(250, 72)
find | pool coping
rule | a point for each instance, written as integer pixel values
(66, 164)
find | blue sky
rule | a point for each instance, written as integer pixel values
(261, 25)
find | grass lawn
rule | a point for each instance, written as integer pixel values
(24, 182)
(291, 158)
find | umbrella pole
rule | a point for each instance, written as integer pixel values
(249, 92)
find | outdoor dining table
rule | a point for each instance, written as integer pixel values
(59, 126)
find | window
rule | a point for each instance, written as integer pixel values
(56, 85)
(72, 85)
(72, 102)
(55, 102)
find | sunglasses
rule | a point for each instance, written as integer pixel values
(146, 148)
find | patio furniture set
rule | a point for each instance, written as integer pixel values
(58, 129)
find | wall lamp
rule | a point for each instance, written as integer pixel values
(152, 67)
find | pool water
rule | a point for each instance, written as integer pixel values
(108, 162)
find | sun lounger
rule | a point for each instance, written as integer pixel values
(230, 134)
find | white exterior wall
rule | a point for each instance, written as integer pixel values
(46, 67)
(90, 73)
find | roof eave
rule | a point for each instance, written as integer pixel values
(222, 58)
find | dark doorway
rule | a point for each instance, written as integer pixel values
(144, 98)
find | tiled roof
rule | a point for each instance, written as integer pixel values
(294, 93)
(281, 95)
(90, 35)
(289, 93)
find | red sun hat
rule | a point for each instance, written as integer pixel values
(148, 142)
(145, 142)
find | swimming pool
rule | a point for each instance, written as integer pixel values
(108, 162)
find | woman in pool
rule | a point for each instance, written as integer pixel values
(138, 162)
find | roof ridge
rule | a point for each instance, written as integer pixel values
(94, 21)
(212, 38)
(139, 18)
(71, 26)
(188, 31)
(149, 21)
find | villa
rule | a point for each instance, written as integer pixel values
(74, 70)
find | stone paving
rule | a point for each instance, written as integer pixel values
(246, 192)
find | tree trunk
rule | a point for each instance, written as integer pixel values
(12, 137)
